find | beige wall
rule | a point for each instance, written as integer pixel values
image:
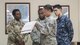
(79, 21)
(74, 15)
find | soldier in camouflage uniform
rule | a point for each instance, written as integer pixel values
(48, 30)
(45, 33)
(14, 30)
(35, 34)
(64, 27)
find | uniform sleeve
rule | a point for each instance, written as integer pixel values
(11, 34)
(69, 28)
(9, 28)
(43, 29)
(55, 26)
(35, 35)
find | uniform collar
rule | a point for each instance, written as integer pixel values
(60, 17)
(15, 21)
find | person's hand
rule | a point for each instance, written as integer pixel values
(21, 43)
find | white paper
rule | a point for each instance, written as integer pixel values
(28, 27)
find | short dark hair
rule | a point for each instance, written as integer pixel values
(14, 11)
(48, 7)
(57, 6)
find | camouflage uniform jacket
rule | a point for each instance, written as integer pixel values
(14, 32)
(64, 30)
(48, 32)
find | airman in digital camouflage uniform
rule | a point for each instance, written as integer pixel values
(64, 27)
